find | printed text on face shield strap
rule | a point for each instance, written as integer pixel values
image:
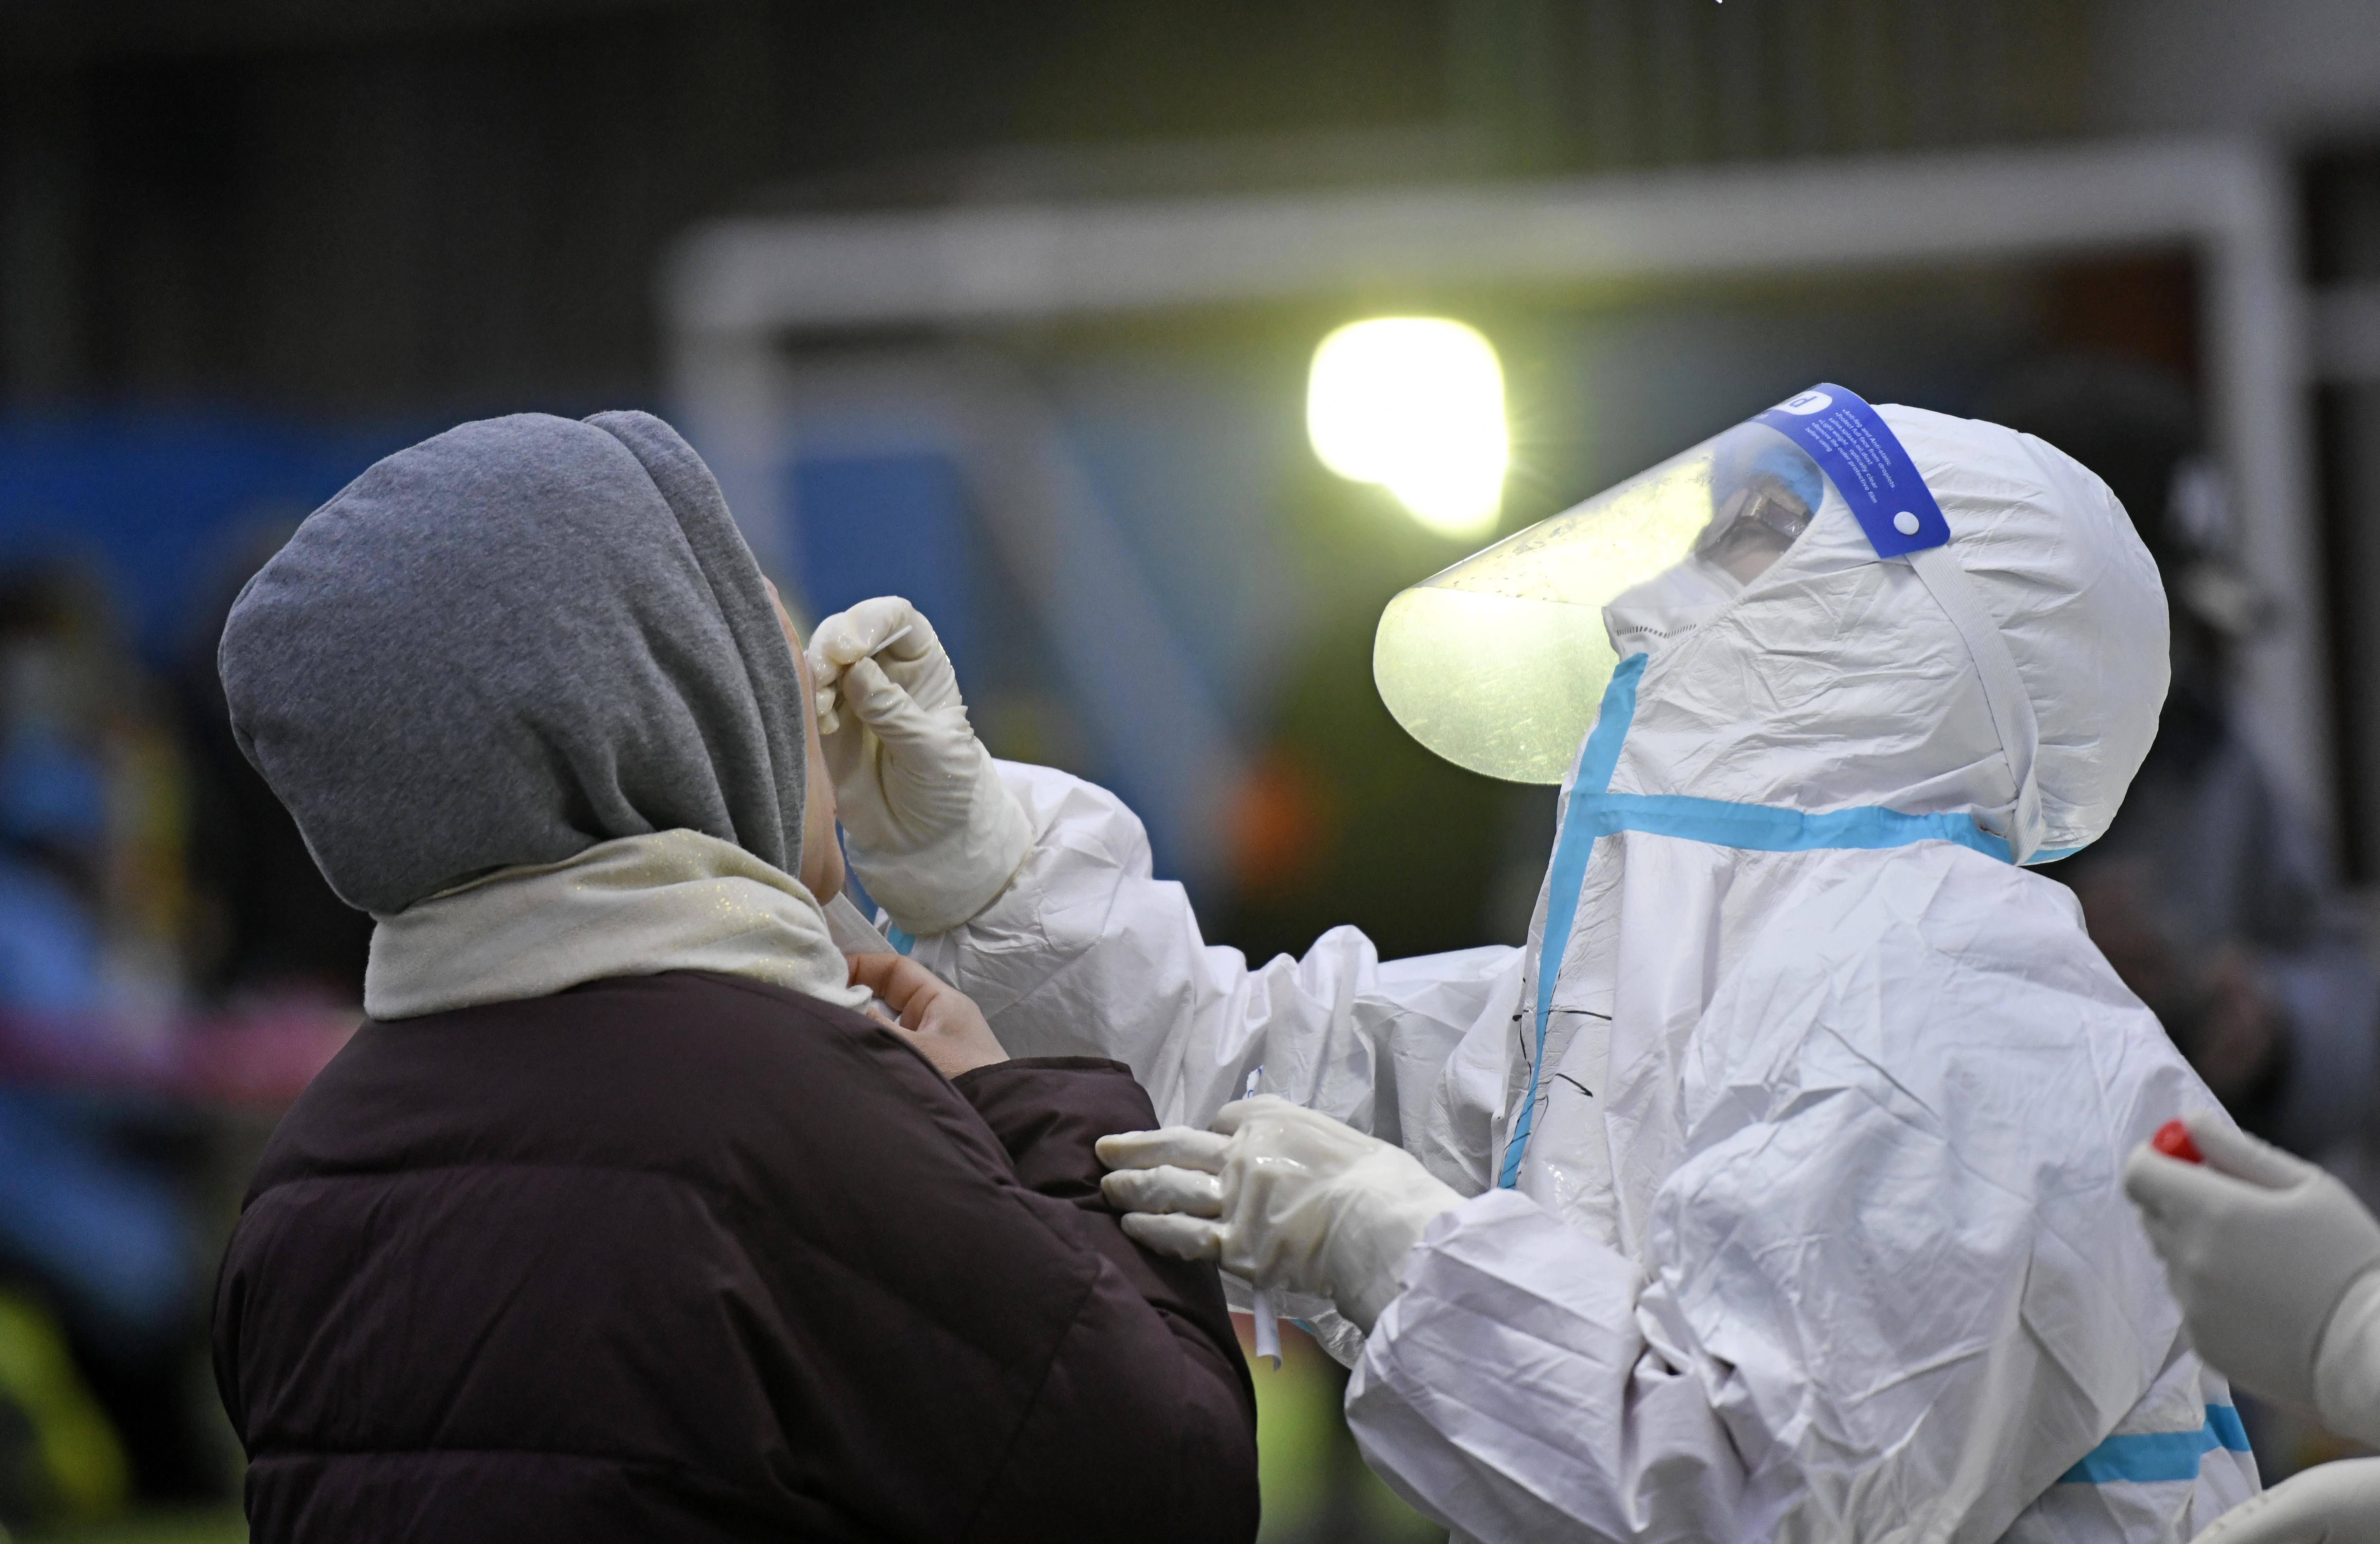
(1867, 463)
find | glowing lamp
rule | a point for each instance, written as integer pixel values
(1414, 404)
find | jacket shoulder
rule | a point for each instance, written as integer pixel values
(673, 1225)
(686, 1072)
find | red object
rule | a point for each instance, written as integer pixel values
(2173, 1141)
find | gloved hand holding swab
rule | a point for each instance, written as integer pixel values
(829, 699)
(929, 829)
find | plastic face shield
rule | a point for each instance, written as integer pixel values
(1497, 664)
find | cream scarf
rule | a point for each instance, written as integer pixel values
(673, 900)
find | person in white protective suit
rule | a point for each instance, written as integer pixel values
(1770, 1191)
(2278, 1268)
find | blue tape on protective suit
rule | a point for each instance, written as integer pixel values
(1765, 829)
(1595, 811)
(1597, 762)
(2156, 1457)
(1867, 464)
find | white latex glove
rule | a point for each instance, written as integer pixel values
(1288, 1200)
(2276, 1266)
(930, 830)
(2330, 1504)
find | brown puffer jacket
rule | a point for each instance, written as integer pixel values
(685, 1257)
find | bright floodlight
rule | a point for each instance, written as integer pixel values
(1415, 404)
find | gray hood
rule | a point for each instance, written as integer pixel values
(511, 642)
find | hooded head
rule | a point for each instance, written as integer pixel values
(1835, 678)
(509, 643)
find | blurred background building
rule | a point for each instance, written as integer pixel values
(1013, 310)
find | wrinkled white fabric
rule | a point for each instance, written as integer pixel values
(1087, 955)
(1677, 599)
(1818, 1233)
(929, 829)
(1280, 1196)
(638, 905)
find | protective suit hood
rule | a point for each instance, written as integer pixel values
(1836, 680)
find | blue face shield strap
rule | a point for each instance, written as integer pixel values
(1867, 464)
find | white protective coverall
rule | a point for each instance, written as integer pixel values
(1814, 1227)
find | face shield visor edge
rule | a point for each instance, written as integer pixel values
(1498, 662)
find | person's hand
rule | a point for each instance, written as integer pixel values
(2262, 1249)
(942, 1021)
(1280, 1196)
(2330, 1504)
(934, 833)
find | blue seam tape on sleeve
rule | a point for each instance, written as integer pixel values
(2159, 1457)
